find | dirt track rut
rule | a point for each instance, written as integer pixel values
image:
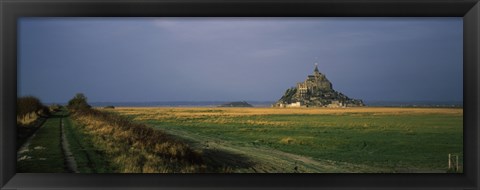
(69, 158)
(260, 159)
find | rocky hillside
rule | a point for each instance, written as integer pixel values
(316, 91)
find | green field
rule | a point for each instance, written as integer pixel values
(43, 152)
(256, 140)
(315, 140)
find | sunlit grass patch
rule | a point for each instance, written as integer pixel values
(379, 137)
(135, 148)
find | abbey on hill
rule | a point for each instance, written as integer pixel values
(316, 91)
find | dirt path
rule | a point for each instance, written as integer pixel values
(46, 149)
(69, 158)
(241, 157)
(26, 145)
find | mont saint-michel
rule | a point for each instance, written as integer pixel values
(316, 91)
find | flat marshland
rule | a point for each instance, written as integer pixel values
(364, 139)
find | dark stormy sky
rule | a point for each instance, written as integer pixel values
(230, 59)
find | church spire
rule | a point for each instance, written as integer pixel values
(316, 68)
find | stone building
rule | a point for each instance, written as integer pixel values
(315, 91)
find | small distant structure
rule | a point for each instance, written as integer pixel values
(335, 104)
(295, 104)
(316, 91)
(291, 105)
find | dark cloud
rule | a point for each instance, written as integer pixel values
(198, 59)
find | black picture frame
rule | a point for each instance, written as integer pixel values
(11, 10)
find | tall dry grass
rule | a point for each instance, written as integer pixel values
(228, 115)
(232, 112)
(136, 148)
(27, 119)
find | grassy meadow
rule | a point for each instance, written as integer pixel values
(365, 139)
(43, 153)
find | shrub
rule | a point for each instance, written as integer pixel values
(29, 108)
(28, 104)
(78, 102)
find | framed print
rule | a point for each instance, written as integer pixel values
(281, 94)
